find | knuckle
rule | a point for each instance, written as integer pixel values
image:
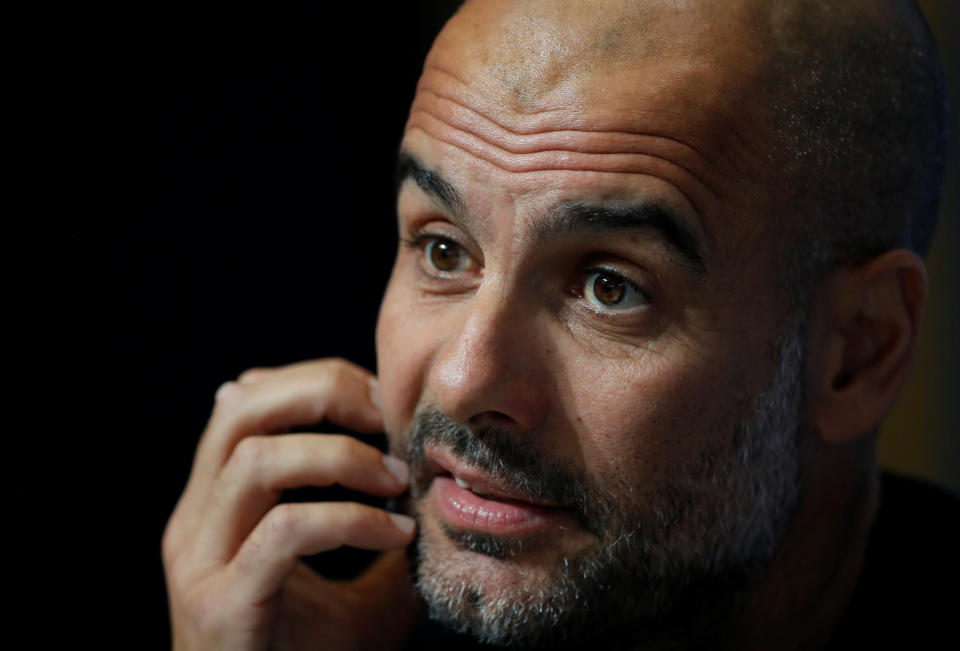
(337, 363)
(227, 392)
(168, 544)
(229, 398)
(340, 369)
(253, 374)
(282, 522)
(181, 572)
(249, 454)
(172, 540)
(178, 573)
(352, 453)
(340, 446)
(360, 518)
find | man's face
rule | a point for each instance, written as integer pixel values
(581, 349)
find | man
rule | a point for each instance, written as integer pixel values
(658, 284)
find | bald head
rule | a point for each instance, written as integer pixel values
(860, 123)
(849, 92)
(532, 47)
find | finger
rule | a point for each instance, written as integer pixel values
(270, 399)
(300, 394)
(261, 467)
(290, 531)
(252, 375)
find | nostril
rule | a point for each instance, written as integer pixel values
(490, 418)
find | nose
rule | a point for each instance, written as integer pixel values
(491, 368)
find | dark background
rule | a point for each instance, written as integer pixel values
(229, 204)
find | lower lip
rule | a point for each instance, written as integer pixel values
(466, 510)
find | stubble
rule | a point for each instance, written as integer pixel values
(673, 565)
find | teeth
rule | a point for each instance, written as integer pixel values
(461, 483)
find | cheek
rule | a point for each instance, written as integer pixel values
(645, 420)
(402, 355)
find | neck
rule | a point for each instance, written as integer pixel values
(800, 600)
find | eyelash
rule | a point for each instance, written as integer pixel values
(579, 289)
(418, 240)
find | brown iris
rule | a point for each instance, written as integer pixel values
(443, 255)
(609, 290)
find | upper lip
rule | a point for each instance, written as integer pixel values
(444, 462)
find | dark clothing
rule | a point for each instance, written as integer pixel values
(907, 596)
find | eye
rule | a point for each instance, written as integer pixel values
(446, 255)
(606, 290)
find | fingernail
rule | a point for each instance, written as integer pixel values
(396, 467)
(404, 523)
(374, 385)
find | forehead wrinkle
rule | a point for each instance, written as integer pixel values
(519, 139)
(563, 161)
(690, 76)
(473, 97)
(447, 83)
(670, 150)
(445, 96)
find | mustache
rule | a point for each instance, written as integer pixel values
(513, 460)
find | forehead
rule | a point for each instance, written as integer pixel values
(533, 99)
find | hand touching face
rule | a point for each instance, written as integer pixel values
(231, 553)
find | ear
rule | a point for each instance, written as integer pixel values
(863, 331)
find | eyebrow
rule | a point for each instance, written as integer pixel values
(408, 167)
(570, 219)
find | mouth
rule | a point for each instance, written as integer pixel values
(469, 499)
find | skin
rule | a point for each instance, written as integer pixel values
(505, 342)
(231, 554)
(552, 107)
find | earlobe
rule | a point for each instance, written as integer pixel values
(864, 326)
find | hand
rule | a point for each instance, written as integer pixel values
(231, 553)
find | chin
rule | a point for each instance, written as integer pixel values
(500, 590)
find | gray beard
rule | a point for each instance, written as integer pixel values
(670, 570)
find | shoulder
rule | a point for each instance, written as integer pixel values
(911, 571)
